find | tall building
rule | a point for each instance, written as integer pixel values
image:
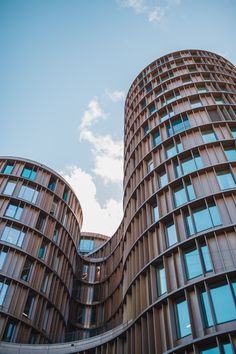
(165, 282)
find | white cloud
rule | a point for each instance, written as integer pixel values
(116, 95)
(152, 12)
(96, 218)
(92, 114)
(107, 153)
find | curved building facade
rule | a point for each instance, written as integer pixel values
(166, 281)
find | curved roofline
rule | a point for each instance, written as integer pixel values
(176, 51)
(16, 158)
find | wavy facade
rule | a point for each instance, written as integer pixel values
(166, 281)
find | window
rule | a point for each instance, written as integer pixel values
(208, 136)
(225, 180)
(56, 262)
(3, 255)
(224, 311)
(155, 213)
(186, 79)
(171, 99)
(65, 194)
(45, 319)
(9, 189)
(13, 235)
(52, 183)
(177, 125)
(230, 153)
(143, 104)
(13, 211)
(149, 87)
(166, 116)
(227, 349)
(195, 104)
(3, 292)
(53, 208)
(219, 100)
(29, 173)
(152, 109)
(86, 245)
(202, 219)
(150, 166)
(29, 305)
(40, 222)
(174, 149)
(33, 337)
(161, 281)
(65, 218)
(171, 234)
(182, 319)
(163, 179)
(45, 281)
(55, 234)
(9, 332)
(156, 138)
(7, 169)
(29, 194)
(27, 270)
(202, 89)
(188, 165)
(43, 249)
(184, 194)
(233, 132)
(145, 129)
(193, 264)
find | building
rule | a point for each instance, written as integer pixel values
(165, 282)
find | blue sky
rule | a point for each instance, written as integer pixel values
(65, 68)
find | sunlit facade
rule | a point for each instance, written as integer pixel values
(165, 282)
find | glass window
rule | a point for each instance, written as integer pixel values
(65, 194)
(53, 208)
(227, 348)
(40, 222)
(208, 136)
(206, 309)
(152, 109)
(3, 292)
(29, 305)
(145, 129)
(29, 173)
(44, 285)
(43, 249)
(202, 89)
(45, 319)
(27, 270)
(213, 350)
(150, 166)
(3, 255)
(194, 266)
(9, 332)
(171, 234)
(225, 180)
(13, 235)
(173, 149)
(163, 179)
(9, 189)
(29, 194)
(178, 125)
(195, 104)
(86, 245)
(161, 281)
(7, 169)
(203, 219)
(183, 320)
(156, 139)
(166, 116)
(188, 165)
(52, 183)
(230, 153)
(13, 211)
(224, 310)
(219, 100)
(64, 222)
(55, 234)
(233, 131)
(155, 213)
(149, 87)
(184, 194)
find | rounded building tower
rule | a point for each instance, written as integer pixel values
(166, 281)
(39, 231)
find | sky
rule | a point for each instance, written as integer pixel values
(65, 69)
